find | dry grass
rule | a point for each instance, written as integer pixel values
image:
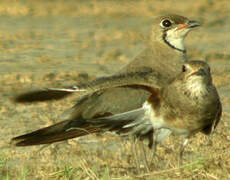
(108, 37)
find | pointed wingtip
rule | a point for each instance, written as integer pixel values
(14, 142)
(40, 95)
(21, 141)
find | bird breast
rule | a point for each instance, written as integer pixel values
(196, 88)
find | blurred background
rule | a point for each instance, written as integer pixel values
(47, 43)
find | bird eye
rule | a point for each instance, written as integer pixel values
(166, 23)
(184, 68)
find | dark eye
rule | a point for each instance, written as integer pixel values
(166, 23)
(184, 68)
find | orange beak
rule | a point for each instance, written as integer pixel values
(189, 24)
(182, 26)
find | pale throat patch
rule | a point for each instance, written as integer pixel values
(196, 86)
(176, 38)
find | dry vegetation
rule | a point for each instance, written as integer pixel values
(43, 43)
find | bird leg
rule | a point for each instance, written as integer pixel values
(144, 155)
(134, 150)
(182, 151)
(212, 131)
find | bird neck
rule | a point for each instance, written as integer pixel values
(162, 46)
(175, 43)
(186, 98)
(194, 88)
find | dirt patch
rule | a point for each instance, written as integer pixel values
(54, 43)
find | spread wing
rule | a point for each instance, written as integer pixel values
(43, 95)
(147, 78)
(100, 111)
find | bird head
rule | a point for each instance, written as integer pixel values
(196, 78)
(172, 29)
(196, 70)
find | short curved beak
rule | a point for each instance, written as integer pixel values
(200, 72)
(188, 25)
(192, 24)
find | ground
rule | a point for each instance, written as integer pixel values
(54, 43)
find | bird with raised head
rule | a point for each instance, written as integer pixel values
(164, 54)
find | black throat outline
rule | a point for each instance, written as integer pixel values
(172, 46)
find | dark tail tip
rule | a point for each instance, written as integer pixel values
(40, 96)
(15, 142)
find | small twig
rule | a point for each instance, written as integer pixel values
(58, 172)
(88, 171)
(212, 176)
(169, 170)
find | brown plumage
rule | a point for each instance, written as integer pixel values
(161, 60)
(187, 104)
(164, 54)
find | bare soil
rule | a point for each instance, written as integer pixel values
(54, 43)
